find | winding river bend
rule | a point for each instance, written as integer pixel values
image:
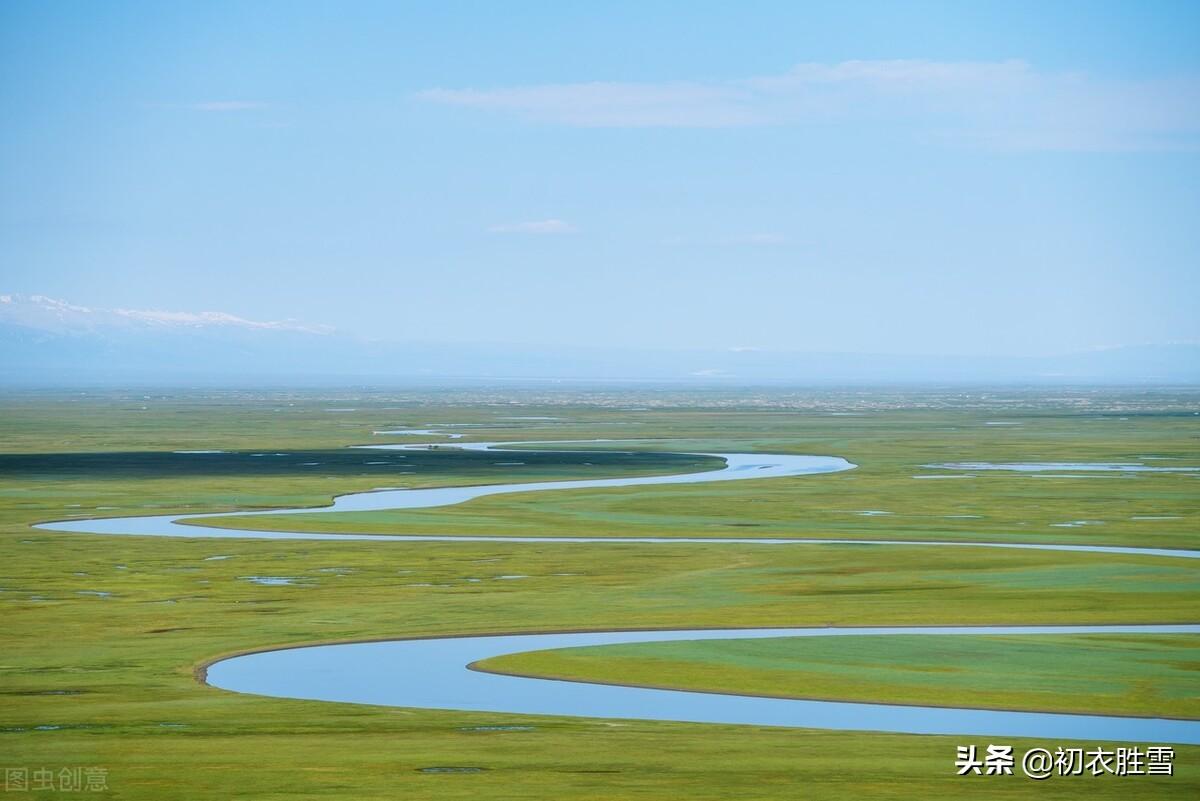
(738, 466)
(436, 674)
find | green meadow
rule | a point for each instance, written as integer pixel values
(891, 495)
(103, 636)
(1115, 674)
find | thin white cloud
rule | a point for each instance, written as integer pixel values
(534, 227)
(1006, 104)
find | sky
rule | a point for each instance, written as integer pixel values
(1008, 178)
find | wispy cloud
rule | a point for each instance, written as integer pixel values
(227, 105)
(1007, 104)
(534, 227)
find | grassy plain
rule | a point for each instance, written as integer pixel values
(107, 679)
(892, 495)
(1117, 674)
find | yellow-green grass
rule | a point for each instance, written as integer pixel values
(54, 486)
(116, 673)
(995, 506)
(890, 445)
(136, 709)
(1117, 674)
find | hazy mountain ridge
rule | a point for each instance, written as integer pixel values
(44, 340)
(43, 313)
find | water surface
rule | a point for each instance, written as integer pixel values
(738, 466)
(434, 674)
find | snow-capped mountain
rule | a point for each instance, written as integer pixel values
(42, 313)
(44, 338)
(49, 341)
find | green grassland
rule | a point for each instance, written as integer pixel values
(1144, 675)
(96, 483)
(107, 680)
(1145, 509)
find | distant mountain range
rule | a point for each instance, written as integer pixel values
(44, 341)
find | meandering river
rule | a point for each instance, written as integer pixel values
(435, 674)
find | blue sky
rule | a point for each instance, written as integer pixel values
(990, 178)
